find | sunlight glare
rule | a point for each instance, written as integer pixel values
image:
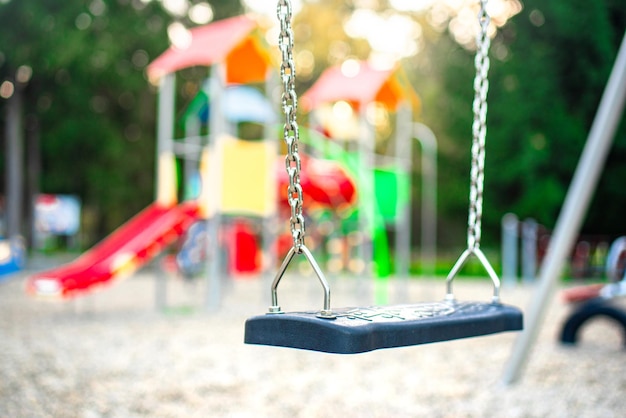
(411, 5)
(393, 36)
(176, 7)
(460, 17)
(268, 7)
(201, 13)
(342, 110)
(24, 74)
(179, 36)
(350, 68)
(6, 89)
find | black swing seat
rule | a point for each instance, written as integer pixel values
(358, 330)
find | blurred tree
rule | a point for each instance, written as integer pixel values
(549, 67)
(321, 39)
(96, 110)
(555, 60)
(89, 94)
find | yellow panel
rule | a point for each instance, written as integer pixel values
(206, 197)
(166, 175)
(248, 185)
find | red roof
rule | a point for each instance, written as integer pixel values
(388, 87)
(232, 41)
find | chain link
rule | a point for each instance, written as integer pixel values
(477, 172)
(479, 130)
(293, 164)
(291, 132)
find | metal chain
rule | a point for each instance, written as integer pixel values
(293, 164)
(477, 173)
(479, 130)
(291, 133)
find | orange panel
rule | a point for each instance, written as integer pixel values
(247, 63)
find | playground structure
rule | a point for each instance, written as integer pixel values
(349, 102)
(135, 243)
(161, 224)
(242, 177)
(217, 166)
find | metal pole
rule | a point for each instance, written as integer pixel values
(33, 170)
(165, 135)
(15, 164)
(575, 206)
(217, 127)
(367, 209)
(529, 250)
(190, 162)
(510, 236)
(428, 142)
(403, 208)
(165, 123)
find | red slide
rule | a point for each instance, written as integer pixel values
(126, 249)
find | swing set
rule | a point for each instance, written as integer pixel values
(357, 330)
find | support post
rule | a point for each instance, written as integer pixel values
(366, 174)
(165, 123)
(190, 163)
(571, 216)
(33, 171)
(403, 157)
(15, 165)
(428, 142)
(510, 248)
(529, 250)
(217, 126)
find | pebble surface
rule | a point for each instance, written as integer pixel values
(113, 354)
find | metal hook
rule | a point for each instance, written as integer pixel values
(485, 263)
(326, 312)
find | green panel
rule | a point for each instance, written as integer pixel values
(391, 188)
(386, 189)
(366, 191)
(196, 107)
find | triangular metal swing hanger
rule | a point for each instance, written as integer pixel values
(356, 330)
(326, 312)
(463, 258)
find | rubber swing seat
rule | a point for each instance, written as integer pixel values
(358, 330)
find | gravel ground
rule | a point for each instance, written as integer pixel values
(113, 354)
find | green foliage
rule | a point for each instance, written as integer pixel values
(319, 28)
(89, 95)
(96, 111)
(549, 67)
(545, 93)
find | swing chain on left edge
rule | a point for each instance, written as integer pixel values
(291, 135)
(293, 163)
